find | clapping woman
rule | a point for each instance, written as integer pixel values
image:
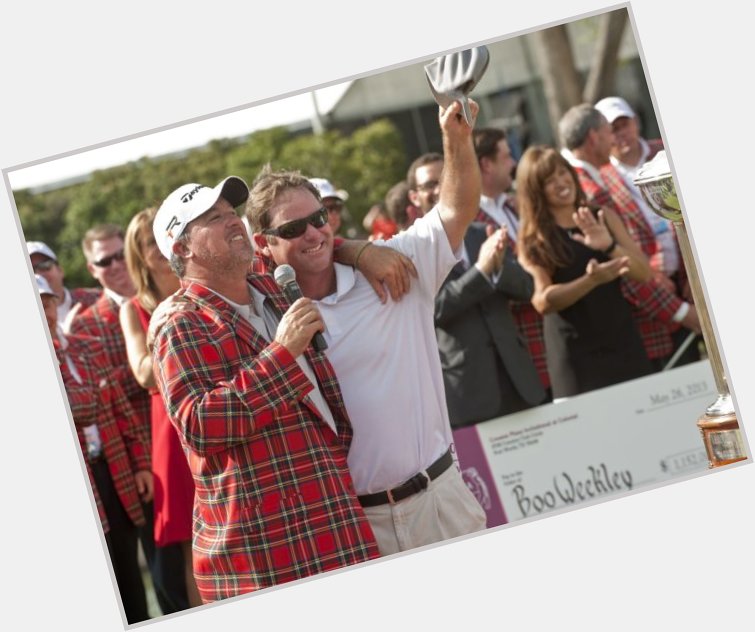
(577, 256)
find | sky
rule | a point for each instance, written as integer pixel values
(81, 161)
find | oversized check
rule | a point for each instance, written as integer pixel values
(589, 447)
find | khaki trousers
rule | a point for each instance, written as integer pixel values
(446, 509)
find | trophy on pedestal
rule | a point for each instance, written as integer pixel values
(718, 425)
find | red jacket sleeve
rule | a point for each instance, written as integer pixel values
(215, 396)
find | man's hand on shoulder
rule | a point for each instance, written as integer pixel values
(171, 305)
(386, 268)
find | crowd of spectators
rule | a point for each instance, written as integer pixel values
(239, 454)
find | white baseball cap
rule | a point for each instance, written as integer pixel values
(327, 190)
(43, 286)
(187, 203)
(41, 248)
(613, 108)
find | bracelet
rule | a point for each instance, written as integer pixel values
(610, 248)
(359, 254)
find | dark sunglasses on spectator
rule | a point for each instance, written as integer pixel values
(43, 266)
(106, 261)
(296, 228)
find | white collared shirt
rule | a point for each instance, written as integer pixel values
(494, 207)
(65, 305)
(119, 300)
(387, 363)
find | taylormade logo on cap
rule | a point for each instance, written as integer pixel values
(186, 197)
(187, 203)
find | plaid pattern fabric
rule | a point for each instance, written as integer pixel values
(99, 399)
(274, 498)
(100, 320)
(85, 295)
(528, 320)
(653, 306)
(637, 223)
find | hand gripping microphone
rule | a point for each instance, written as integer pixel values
(285, 277)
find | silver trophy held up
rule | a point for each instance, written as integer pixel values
(452, 77)
(718, 425)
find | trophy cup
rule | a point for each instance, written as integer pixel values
(718, 426)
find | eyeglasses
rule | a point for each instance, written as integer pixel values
(106, 261)
(296, 228)
(426, 187)
(43, 266)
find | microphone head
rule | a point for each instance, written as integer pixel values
(284, 274)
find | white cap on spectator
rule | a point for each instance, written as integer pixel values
(39, 247)
(187, 203)
(327, 190)
(613, 108)
(43, 286)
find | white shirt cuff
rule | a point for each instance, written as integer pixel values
(681, 313)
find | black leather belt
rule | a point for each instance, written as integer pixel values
(415, 484)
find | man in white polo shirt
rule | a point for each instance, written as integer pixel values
(386, 355)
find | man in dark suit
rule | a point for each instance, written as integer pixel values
(487, 370)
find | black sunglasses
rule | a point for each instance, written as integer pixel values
(296, 228)
(106, 261)
(44, 266)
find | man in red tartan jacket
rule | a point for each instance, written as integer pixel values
(71, 301)
(117, 462)
(658, 310)
(259, 412)
(630, 152)
(103, 249)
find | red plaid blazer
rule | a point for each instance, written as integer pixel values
(653, 306)
(101, 320)
(100, 399)
(274, 498)
(635, 220)
(85, 295)
(527, 318)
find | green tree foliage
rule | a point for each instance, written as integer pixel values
(378, 161)
(366, 164)
(262, 147)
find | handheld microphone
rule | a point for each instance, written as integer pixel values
(285, 277)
